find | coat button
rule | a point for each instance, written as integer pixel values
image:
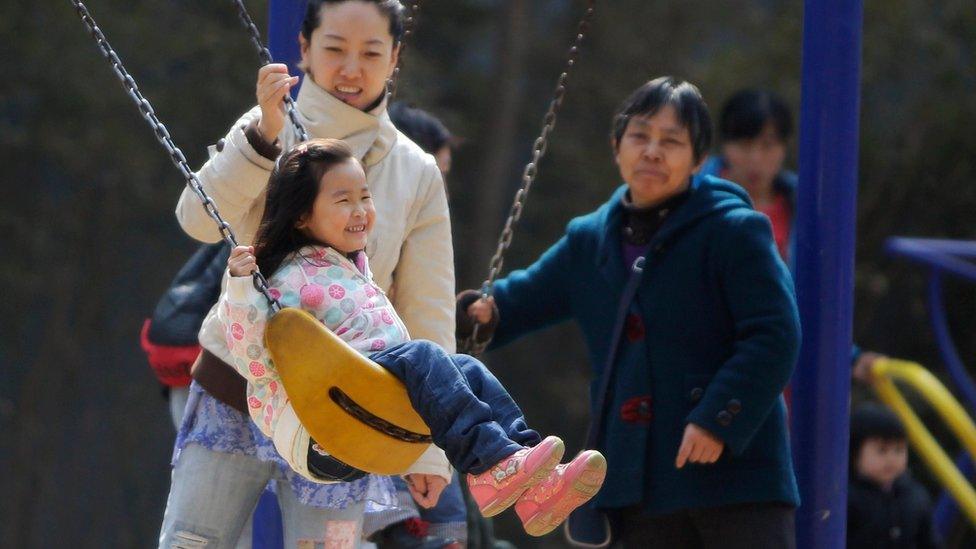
(724, 418)
(734, 406)
(220, 145)
(644, 408)
(696, 394)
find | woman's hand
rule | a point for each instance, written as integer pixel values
(863, 370)
(473, 310)
(425, 489)
(698, 446)
(242, 261)
(273, 84)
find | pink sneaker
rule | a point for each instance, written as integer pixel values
(497, 488)
(546, 505)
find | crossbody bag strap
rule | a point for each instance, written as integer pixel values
(630, 290)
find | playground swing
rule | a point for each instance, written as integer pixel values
(354, 409)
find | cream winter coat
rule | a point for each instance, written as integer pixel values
(410, 250)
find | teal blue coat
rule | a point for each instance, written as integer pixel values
(722, 337)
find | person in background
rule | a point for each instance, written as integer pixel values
(886, 507)
(169, 337)
(754, 130)
(427, 131)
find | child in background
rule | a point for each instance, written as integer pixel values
(317, 219)
(886, 507)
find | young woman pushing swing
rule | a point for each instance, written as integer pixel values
(221, 461)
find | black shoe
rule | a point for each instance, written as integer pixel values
(411, 534)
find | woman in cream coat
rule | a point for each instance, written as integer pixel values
(222, 462)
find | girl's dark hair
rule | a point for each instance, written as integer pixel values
(648, 99)
(747, 112)
(871, 420)
(420, 126)
(291, 193)
(392, 9)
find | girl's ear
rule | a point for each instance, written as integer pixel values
(302, 222)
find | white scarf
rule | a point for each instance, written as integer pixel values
(370, 135)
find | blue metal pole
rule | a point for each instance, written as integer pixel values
(284, 21)
(947, 348)
(825, 266)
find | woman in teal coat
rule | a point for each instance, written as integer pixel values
(690, 321)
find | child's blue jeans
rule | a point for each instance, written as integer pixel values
(470, 415)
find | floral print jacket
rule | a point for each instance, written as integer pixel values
(337, 290)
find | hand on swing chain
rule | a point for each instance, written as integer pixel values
(425, 489)
(272, 85)
(482, 311)
(242, 261)
(864, 366)
(698, 446)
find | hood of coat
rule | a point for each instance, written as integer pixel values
(709, 196)
(370, 134)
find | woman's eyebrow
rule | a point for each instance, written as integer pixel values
(371, 41)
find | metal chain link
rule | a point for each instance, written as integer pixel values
(408, 28)
(300, 133)
(471, 345)
(163, 136)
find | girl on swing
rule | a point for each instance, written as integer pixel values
(317, 220)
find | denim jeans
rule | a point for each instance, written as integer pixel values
(213, 494)
(470, 415)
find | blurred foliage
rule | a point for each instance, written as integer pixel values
(91, 240)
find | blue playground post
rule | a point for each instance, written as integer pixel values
(284, 23)
(825, 266)
(284, 20)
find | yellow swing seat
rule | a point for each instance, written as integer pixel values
(355, 409)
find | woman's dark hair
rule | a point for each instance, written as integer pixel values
(420, 126)
(871, 420)
(687, 101)
(291, 192)
(392, 9)
(747, 112)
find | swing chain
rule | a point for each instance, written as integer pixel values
(471, 345)
(408, 28)
(300, 133)
(163, 136)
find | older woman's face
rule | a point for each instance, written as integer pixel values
(351, 53)
(655, 157)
